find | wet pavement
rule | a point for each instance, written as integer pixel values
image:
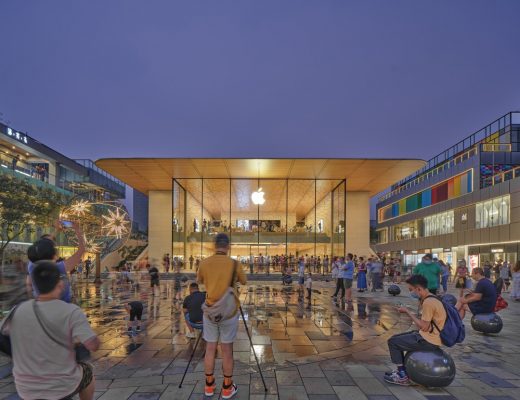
(313, 349)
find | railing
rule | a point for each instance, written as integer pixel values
(446, 156)
(500, 177)
(35, 181)
(448, 164)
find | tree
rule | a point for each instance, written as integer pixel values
(23, 207)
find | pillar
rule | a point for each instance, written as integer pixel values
(159, 226)
(357, 231)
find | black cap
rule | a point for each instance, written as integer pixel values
(428, 255)
(222, 240)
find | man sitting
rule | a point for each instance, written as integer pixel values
(192, 308)
(426, 338)
(482, 300)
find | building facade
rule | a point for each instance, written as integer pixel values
(464, 204)
(269, 207)
(24, 157)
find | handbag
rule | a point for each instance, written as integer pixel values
(5, 340)
(501, 303)
(82, 353)
(226, 307)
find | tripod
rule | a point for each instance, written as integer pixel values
(252, 348)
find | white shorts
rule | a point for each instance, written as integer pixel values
(226, 330)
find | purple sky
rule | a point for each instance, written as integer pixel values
(327, 78)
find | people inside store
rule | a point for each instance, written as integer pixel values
(480, 301)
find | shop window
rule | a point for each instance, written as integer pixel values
(492, 212)
(439, 224)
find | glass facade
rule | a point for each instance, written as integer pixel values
(300, 217)
(439, 224)
(492, 212)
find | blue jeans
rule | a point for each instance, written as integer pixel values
(444, 283)
(194, 325)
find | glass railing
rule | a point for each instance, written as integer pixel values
(90, 164)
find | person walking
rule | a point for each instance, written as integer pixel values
(505, 274)
(515, 290)
(376, 270)
(348, 276)
(339, 284)
(462, 281)
(430, 271)
(445, 274)
(301, 274)
(42, 333)
(217, 273)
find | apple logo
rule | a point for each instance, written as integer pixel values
(258, 197)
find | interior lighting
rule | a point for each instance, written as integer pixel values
(258, 197)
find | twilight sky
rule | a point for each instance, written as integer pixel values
(257, 78)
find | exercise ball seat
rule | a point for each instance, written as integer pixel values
(487, 323)
(450, 299)
(433, 369)
(394, 290)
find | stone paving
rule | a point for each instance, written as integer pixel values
(307, 349)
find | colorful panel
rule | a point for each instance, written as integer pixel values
(450, 189)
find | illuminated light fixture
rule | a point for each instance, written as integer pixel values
(258, 197)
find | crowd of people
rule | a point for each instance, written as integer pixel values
(58, 328)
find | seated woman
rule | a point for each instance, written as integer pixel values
(482, 300)
(426, 338)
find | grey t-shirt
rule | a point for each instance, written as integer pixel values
(41, 367)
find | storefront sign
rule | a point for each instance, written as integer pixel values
(464, 217)
(17, 135)
(497, 250)
(447, 250)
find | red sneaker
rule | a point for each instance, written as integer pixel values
(229, 392)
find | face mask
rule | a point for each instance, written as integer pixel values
(414, 295)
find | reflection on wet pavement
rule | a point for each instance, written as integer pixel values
(286, 328)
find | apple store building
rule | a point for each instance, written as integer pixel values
(273, 210)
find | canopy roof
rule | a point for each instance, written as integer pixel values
(362, 174)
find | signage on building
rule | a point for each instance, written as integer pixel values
(17, 135)
(473, 262)
(464, 217)
(497, 250)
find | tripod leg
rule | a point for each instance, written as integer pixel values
(191, 358)
(252, 348)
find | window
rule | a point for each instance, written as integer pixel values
(405, 231)
(492, 212)
(382, 235)
(439, 224)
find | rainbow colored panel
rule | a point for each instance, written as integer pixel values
(450, 189)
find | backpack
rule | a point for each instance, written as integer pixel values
(226, 307)
(453, 331)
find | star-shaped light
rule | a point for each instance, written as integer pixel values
(80, 208)
(91, 246)
(116, 223)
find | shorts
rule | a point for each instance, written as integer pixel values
(347, 283)
(223, 332)
(136, 313)
(301, 280)
(86, 379)
(154, 282)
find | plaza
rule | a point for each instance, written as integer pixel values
(307, 350)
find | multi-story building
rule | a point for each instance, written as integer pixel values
(26, 158)
(465, 203)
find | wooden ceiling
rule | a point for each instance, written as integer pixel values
(367, 175)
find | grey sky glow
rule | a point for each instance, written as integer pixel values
(269, 78)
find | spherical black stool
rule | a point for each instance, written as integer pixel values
(430, 368)
(487, 323)
(394, 290)
(450, 299)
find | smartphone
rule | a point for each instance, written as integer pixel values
(66, 224)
